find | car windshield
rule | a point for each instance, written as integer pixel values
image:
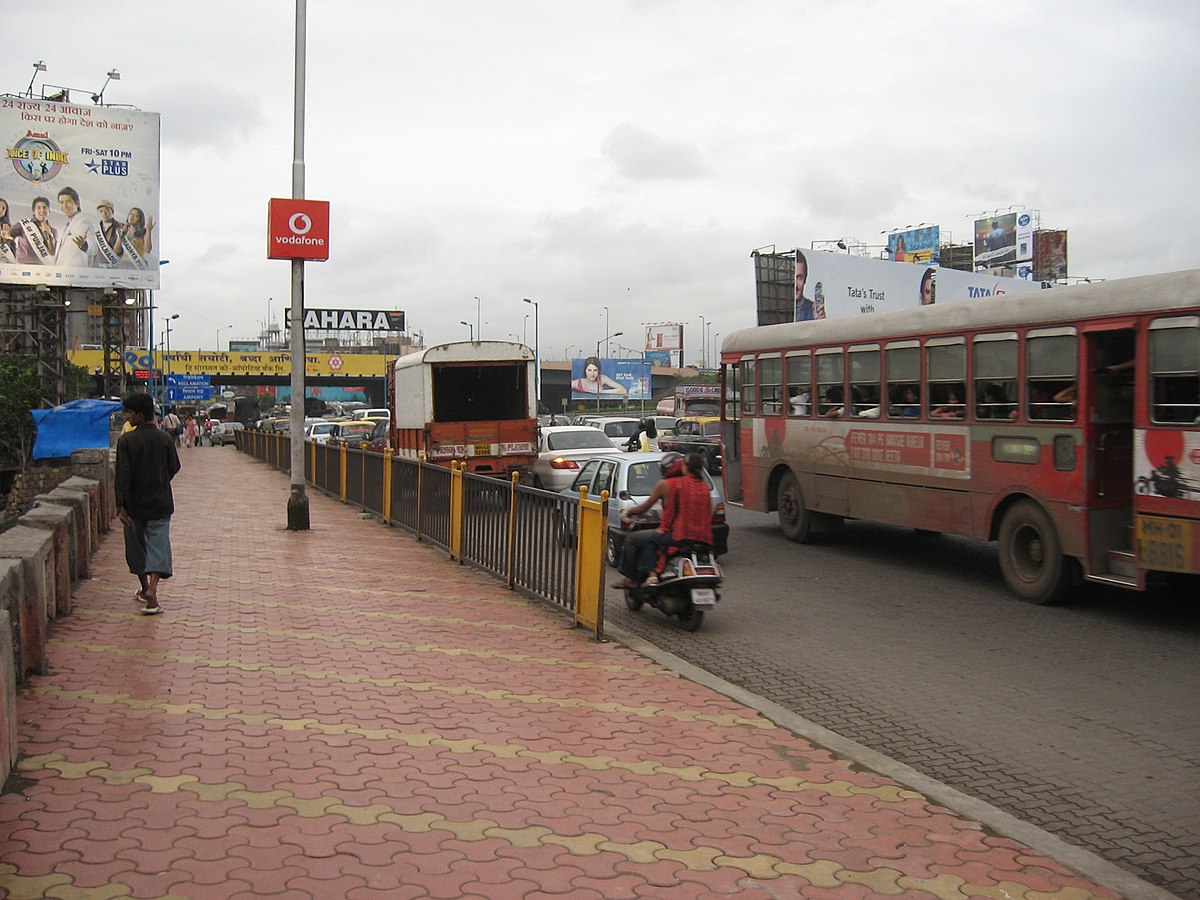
(620, 429)
(577, 440)
(643, 477)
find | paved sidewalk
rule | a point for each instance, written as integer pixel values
(345, 713)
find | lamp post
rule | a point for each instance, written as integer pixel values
(478, 324)
(219, 330)
(470, 326)
(600, 374)
(167, 359)
(606, 327)
(537, 352)
(150, 329)
(525, 330)
(703, 343)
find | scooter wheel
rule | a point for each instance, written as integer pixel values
(632, 602)
(691, 620)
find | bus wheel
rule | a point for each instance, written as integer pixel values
(794, 517)
(1030, 555)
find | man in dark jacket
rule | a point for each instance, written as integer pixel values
(146, 463)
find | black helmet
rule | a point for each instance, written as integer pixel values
(671, 465)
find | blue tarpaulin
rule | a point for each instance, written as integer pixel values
(78, 425)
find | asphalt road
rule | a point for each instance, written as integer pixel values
(1082, 719)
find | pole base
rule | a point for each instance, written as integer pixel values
(297, 509)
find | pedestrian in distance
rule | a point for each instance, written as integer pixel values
(146, 462)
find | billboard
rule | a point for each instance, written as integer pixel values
(1050, 255)
(348, 319)
(666, 337)
(1004, 241)
(81, 187)
(916, 245)
(621, 379)
(828, 285)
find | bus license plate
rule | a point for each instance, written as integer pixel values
(1164, 545)
(704, 597)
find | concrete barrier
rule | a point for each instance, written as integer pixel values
(35, 549)
(100, 513)
(98, 466)
(60, 522)
(12, 590)
(79, 502)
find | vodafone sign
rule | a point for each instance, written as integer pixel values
(297, 229)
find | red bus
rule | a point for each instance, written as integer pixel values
(1062, 424)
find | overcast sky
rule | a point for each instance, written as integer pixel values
(630, 154)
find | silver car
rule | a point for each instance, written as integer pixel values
(562, 451)
(629, 479)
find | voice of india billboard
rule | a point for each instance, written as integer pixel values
(620, 379)
(829, 285)
(79, 195)
(1005, 242)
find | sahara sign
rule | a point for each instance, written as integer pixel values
(298, 229)
(349, 319)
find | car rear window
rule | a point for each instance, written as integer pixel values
(577, 440)
(620, 429)
(712, 429)
(643, 477)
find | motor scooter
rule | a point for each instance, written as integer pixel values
(687, 587)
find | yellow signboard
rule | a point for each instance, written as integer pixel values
(270, 364)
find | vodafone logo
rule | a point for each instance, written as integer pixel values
(298, 229)
(300, 223)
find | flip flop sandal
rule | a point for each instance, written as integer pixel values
(151, 610)
(138, 597)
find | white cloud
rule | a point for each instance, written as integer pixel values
(642, 156)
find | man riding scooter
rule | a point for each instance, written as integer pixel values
(687, 516)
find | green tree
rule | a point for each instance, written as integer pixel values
(266, 402)
(18, 395)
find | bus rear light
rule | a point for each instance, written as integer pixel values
(559, 463)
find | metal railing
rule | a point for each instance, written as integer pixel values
(543, 544)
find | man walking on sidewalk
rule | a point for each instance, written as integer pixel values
(146, 463)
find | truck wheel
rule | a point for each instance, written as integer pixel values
(794, 518)
(1031, 556)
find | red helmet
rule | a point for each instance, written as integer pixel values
(671, 465)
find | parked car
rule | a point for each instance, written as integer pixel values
(698, 434)
(629, 479)
(223, 432)
(371, 414)
(562, 450)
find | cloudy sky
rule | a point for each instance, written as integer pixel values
(630, 154)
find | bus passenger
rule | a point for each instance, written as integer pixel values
(994, 405)
(798, 400)
(833, 406)
(952, 408)
(911, 405)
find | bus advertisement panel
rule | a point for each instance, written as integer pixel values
(82, 188)
(594, 378)
(834, 285)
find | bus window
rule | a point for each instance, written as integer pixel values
(1051, 367)
(864, 382)
(731, 393)
(749, 387)
(995, 371)
(903, 361)
(830, 384)
(1175, 370)
(799, 382)
(946, 371)
(770, 385)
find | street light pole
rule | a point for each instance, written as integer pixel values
(219, 330)
(150, 329)
(478, 323)
(600, 374)
(703, 343)
(167, 359)
(606, 326)
(470, 326)
(537, 352)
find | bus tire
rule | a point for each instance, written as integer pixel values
(1031, 555)
(794, 517)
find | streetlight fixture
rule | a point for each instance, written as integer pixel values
(525, 330)
(537, 352)
(703, 343)
(606, 327)
(113, 75)
(478, 324)
(167, 359)
(219, 330)
(150, 329)
(470, 326)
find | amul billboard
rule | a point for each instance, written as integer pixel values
(79, 195)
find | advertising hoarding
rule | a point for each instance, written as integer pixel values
(1004, 241)
(298, 229)
(81, 184)
(839, 284)
(916, 245)
(349, 319)
(620, 379)
(666, 336)
(1050, 255)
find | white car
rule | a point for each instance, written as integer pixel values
(319, 432)
(619, 429)
(371, 414)
(562, 451)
